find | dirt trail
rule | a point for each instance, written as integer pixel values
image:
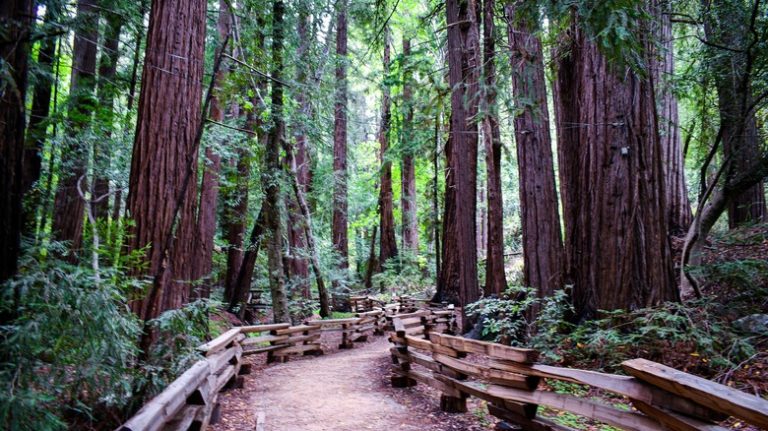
(341, 391)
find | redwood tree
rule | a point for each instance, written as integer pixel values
(16, 20)
(69, 205)
(388, 242)
(339, 222)
(272, 173)
(458, 274)
(495, 277)
(611, 179)
(164, 161)
(542, 244)
(408, 195)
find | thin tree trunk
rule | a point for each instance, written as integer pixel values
(611, 191)
(166, 148)
(16, 21)
(209, 192)
(38, 122)
(245, 275)
(69, 208)
(325, 303)
(271, 176)
(372, 261)
(408, 195)
(730, 25)
(339, 222)
(106, 91)
(543, 253)
(435, 195)
(458, 278)
(388, 242)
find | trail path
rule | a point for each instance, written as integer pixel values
(341, 391)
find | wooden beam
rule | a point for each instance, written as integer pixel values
(484, 372)
(263, 328)
(491, 349)
(675, 421)
(710, 394)
(219, 342)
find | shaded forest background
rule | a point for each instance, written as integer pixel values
(587, 178)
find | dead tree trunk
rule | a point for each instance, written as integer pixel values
(542, 244)
(613, 195)
(388, 244)
(458, 278)
(166, 148)
(69, 207)
(339, 222)
(408, 195)
(16, 21)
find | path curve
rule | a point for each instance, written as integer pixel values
(342, 391)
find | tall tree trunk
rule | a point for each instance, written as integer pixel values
(209, 192)
(106, 91)
(436, 194)
(408, 195)
(339, 222)
(458, 278)
(543, 254)
(38, 121)
(729, 24)
(16, 21)
(245, 275)
(613, 195)
(296, 232)
(673, 160)
(69, 206)
(372, 264)
(388, 244)
(163, 165)
(271, 176)
(495, 277)
(325, 303)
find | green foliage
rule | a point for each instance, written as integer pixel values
(402, 275)
(70, 348)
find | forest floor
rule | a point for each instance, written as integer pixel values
(343, 390)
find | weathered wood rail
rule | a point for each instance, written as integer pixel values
(507, 378)
(191, 401)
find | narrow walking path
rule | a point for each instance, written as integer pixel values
(342, 391)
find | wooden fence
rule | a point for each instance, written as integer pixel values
(191, 401)
(508, 379)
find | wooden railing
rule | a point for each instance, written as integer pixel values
(191, 401)
(508, 379)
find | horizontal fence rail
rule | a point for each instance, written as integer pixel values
(507, 378)
(191, 401)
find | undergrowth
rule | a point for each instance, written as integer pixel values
(68, 355)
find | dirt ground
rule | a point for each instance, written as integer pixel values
(342, 391)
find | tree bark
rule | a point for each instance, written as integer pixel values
(731, 25)
(612, 182)
(299, 264)
(69, 207)
(495, 276)
(16, 21)
(339, 222)
(209, 192)
(388, 241)
(408, 195)
(271, 177)
(245, 275)
(165, 152)
(543, 254)
(673, 160)
(458, 278)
